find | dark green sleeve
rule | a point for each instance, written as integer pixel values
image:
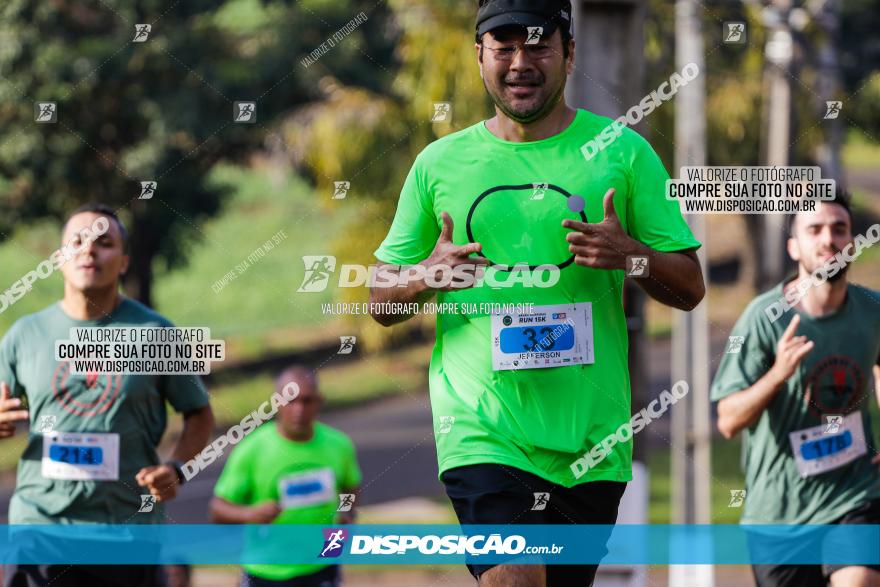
(9, 359)
(651, 218)
(184, 392)
(415, 228)
(741, 370)
(236, 481)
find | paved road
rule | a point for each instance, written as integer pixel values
(396, 451)
(396, 446)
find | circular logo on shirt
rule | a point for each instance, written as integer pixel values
(833, 386)
(521, 225)
(85, 395)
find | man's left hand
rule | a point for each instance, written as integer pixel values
(604, 245)
(161, 480)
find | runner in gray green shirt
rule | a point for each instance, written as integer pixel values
(798, 382)
(127, 409)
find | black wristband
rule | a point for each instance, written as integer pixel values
(178, 468)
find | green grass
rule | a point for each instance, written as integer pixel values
(256, 345)
(342, 386)
(726, 475)
(659, 329)
(262, 296)
(22, 252)
(858, 152)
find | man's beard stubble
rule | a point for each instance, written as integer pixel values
(844, 268)
(537, 113)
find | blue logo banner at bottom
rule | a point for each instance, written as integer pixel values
(410, 544)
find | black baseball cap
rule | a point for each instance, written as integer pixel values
(525, 13)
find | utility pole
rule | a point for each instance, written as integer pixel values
(828, 87)
(608, 80)
(691, 433)
(778, 53)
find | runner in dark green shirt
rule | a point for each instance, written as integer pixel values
(125, 414)
(798, 383)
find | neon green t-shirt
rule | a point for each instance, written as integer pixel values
(305, 478)
(834, 378)
(539, 420)
(131, 406)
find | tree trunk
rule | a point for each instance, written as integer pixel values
(138, 282)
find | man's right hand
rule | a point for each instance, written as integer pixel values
(9, 414)
(265, 513)
(447, 253)
(790, 350)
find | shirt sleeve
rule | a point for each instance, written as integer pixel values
(415, 228)
(185, 393)
(742, 366)
(9, 359)
(235, 482)
(651, 218)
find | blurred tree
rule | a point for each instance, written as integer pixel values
(859, 62)
(865, 107)
(371, 138)
(159, 110)
(736, 100)
(733, 83)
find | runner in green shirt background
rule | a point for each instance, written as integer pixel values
(799, 388)
(128, 411)
(510, 419)
(295, 470)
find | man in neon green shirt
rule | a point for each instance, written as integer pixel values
(295, 471)
(519, 396)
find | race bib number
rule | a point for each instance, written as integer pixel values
(78, 456)
(817, 450)
(309, 488)
(547, 336)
